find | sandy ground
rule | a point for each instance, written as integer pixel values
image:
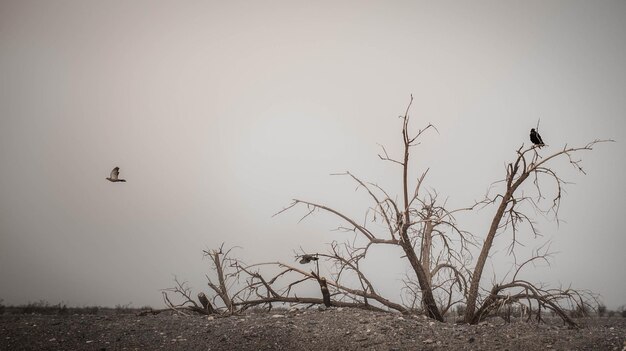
(332, 329)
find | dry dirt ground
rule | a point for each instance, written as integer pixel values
(332, 329)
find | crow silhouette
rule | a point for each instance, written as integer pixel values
(536, 138)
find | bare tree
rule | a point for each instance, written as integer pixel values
(529, 164)
(221, 264)
(428, 236)
(531, 297)
(416, 225)
(188, 304)
(240, 286)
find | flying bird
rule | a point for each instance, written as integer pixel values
(536, 138)
(306, 258)
(114, 176)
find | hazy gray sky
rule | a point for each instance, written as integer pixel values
(219, 113)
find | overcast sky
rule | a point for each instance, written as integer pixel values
(220, 112)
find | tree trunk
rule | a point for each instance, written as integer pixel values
(427, 242)
(484, 252)
(428, 300)
(325, 292)
(205, 303)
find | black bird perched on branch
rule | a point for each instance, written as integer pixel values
(114, 176)
(306, 258)
(536, 138)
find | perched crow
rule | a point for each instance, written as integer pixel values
(114, 176)
(536, 138)
(306, 258)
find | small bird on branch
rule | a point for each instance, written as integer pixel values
(114, 176)
(306, 258)
(536, 138)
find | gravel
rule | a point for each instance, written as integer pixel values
(331, 329)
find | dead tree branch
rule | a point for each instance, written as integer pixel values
(508, 213)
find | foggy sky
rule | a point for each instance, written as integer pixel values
(219, 113)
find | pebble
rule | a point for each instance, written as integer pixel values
(428, 341)
(278, 316)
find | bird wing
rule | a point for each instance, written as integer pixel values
(539, 138)
(115, 172)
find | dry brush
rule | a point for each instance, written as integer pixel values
(440, 254)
